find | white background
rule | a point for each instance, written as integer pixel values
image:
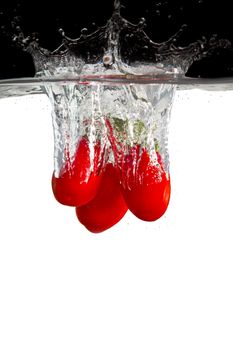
(163, 285)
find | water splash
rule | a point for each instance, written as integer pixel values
(118, 47)
(92, 103)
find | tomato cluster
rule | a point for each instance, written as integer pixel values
(103, 191)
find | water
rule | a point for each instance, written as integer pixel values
(113, 88)
(115, 71)
(139, 276)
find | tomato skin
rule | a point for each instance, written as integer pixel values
(68, 191)
(107, 208)
(76, 184)
(148, 203)
(145, 185)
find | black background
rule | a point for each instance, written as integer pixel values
(164, 18)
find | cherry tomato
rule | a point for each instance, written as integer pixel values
(107, 208)
(145, 184)
(77, 183)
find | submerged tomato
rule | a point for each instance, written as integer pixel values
(107, 208)
(145, 184)
(77, 183)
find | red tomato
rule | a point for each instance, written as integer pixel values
(145, 185)
(77, 184)
(107, 208)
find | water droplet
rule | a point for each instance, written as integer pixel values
(107, 60)
(84, 32)
(62, 32)
(142, 21)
